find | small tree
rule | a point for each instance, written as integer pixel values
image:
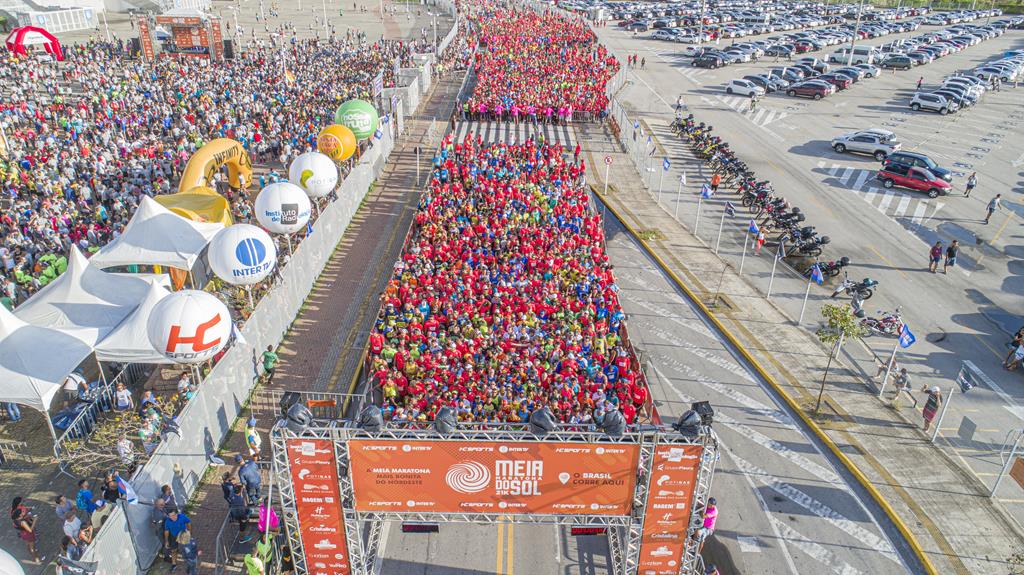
(842, 325)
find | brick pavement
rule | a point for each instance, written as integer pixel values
(325, 344)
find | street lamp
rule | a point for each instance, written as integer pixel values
(856, 32)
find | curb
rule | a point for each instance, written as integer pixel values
(852, 468)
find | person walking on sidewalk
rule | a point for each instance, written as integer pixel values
(269, 361)
(249, 476)
(972, 182)
(992, 206)
(902, 382)
(716, 179)
(931, 405)
(252, 439)
(919, 82)
(951, 252)
(934, 255)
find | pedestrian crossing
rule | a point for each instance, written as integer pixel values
(894, 204)
(693, 74)
(761, 115)
(509, 132)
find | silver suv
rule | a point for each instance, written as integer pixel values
(933, 102)
(874, 142)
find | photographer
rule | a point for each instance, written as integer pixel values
(25, 523)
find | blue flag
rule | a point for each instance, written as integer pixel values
(907, 339)
(753, 229)
(706, 192)
(730, 209)
(816, 275)
(665, 164)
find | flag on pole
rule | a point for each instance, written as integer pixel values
(706, 192)
(816, 275)
(907, 339)
(665, 164)
(649, 140)
(289, 78)
(730, 209)
(682, 178)
(753, 229)
(126, 490)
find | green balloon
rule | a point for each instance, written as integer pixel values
(359, 116)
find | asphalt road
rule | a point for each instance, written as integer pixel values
(784, 508)
(968, 314)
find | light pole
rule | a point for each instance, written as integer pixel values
(856, 32)
(326, 27)
(234, 13)
(700, 34)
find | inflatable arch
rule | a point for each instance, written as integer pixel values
(207, 160)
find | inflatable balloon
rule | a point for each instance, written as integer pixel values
(315, 173)
(360, 116)
(242, 254)
(282, 208)
(337, 142)
(189, 326)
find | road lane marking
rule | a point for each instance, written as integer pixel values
(902, 207)
(771, 524)
(499, 563)
(510, 558)
(889, 263)
(862, 179)
(814, 550)
(748, 544)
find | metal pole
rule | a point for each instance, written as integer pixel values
(105, 25)
(942, 414)
(263, 16)
(803, 307)
(721, 225)
(696, 221)
(661, 181)
(270, 502)
(700, 34)
(326, 27)
(289, 238)
(1007, 464)
(771, 280)
(679, 198)
(607, 168)
(417, 166)
(856, 32)
(888, 369)
(744, 256)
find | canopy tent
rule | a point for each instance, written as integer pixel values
(20, 39)
(129, 342)
(84, 302)
(157, 236)
(35, 361)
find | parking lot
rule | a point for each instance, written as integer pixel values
(968, 314)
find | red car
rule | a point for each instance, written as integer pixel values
(816, 89)
(836, 80)
(913, 178)
(802, 46)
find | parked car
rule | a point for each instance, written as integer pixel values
(933, 103)
(744, 88)
(818, 65)
(870, 70)
(897, 61)
(961, 97)
(781, 50)
(816, 89)
(920, 58)
(875, 142)
(709, 61)
(768, 83)
(840, 81)
(920, 161)
(913, 178)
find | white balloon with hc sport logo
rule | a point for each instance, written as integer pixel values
(242, 254)
(315, 173)
(282, 208)
(189, 326)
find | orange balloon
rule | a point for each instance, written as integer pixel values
(337, 142)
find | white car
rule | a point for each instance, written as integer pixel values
(744, 87)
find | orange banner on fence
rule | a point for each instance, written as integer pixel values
(318, 506)
(544, 478)
(669, 506)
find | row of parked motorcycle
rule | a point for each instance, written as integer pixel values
(785, 223)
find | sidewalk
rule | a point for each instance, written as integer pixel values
(324, 346)
(944, 507)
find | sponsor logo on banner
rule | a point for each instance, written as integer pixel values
(195, 345)
(669, 507)
(321, 526)
(357, 120)
(532, 477)
(252, 255)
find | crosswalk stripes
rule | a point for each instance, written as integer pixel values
(693, 74)
(760, 116)
(894, 204)
(508, 132)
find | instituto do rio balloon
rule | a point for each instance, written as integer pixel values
(282, 208)
(337, 142)
(360, 116)
(315, 173)
(189, 326)
(242, 254)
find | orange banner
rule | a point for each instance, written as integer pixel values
(493, 477)
(669, 505)
(318, 506)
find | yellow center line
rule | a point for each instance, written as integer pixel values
(498, 567)
(990, 348)
(888, 263)
(510, 548)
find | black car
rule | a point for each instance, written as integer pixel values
(788, 74)
(920, 161)
(846, 73)
(782, 50)
(762, 82)
(807, 70)
(709, 61)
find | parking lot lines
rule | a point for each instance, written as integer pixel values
(856, 179)
(760, 116)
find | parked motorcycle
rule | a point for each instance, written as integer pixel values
(864, 288)
(888, 325)
(829, 269)
(808, 248)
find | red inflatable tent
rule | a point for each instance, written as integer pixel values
(20, 39)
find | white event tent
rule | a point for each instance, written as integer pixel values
(157, 236)
(129, 341)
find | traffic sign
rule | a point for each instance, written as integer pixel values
(608, 160)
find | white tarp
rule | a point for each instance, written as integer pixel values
(84, 301)
(35, 361)
(129, 342)
(157, 236)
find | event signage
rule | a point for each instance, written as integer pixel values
(359, 116)
(146, 39)
(337, 142)
(189, 326)
(315, 173)
(669, 507)
(544, 478)
(282, 208)
(242, 254)
(314, 473)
